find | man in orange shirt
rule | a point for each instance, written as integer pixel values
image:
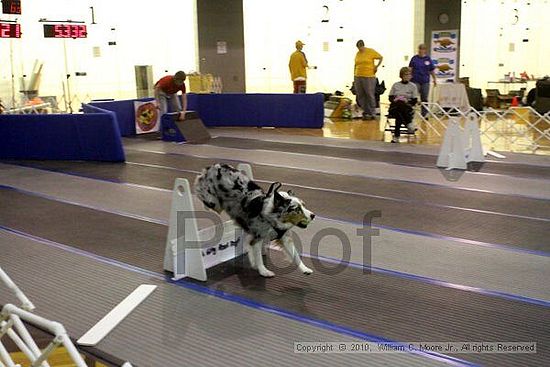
(166, 90)
(364, 79)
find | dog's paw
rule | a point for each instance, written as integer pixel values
(306, 270)
(266, 273)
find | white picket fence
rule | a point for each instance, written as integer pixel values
(516, 125)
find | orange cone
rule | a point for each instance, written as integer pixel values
(515, 101)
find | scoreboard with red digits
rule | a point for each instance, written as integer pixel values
(11, 6)
(65, 31)
(10, 30)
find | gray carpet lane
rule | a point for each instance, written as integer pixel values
(471, 181)
(518, 232)
(408, 191)
(435, 258)
(418, 160)
(174, 326)
(394, 308)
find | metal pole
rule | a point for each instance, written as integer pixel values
(69, 100)
(12, 76)
(64, 95)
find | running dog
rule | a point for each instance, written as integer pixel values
(264, 217)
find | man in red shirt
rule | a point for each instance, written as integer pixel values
(166, 90)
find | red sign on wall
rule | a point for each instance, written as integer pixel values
(65, 31)
(10, 30)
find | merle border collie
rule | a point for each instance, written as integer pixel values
(263, 216)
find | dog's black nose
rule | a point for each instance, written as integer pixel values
(312, 216)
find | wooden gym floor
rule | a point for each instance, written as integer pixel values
(505, 136)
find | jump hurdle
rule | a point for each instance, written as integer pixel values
(190, 252)
(12, 318)
(461, 147)
(12, 324)
(26, 304)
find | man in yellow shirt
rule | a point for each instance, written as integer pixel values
(298, 67)
(364, 79)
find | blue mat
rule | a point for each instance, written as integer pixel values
(125, 113)
(94, 136)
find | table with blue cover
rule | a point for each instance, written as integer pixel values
(93, 136)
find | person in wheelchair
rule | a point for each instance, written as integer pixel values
(403, 97)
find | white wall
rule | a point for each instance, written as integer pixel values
(272, 27)
(488, 29)
(161, 33)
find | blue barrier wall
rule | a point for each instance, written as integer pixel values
(260, 110)
(233, 109)
(61, 137)
(125, 113)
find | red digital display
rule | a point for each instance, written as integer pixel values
(10, 30)
(11, 6)
(65, 31)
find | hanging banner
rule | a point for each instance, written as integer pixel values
(147, 117)
(444, 54)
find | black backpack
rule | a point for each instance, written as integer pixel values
(542, 101)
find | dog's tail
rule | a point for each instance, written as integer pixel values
(206, 192)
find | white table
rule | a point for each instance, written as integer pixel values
(507, 85)
(451, 95)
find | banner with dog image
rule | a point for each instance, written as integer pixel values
(444, 54)
(147, 117)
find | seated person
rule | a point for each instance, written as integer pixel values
(403, 96)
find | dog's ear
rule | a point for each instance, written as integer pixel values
(291, 193)
(273, 188)
(278, 200)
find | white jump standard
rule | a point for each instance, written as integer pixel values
(461, 147)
